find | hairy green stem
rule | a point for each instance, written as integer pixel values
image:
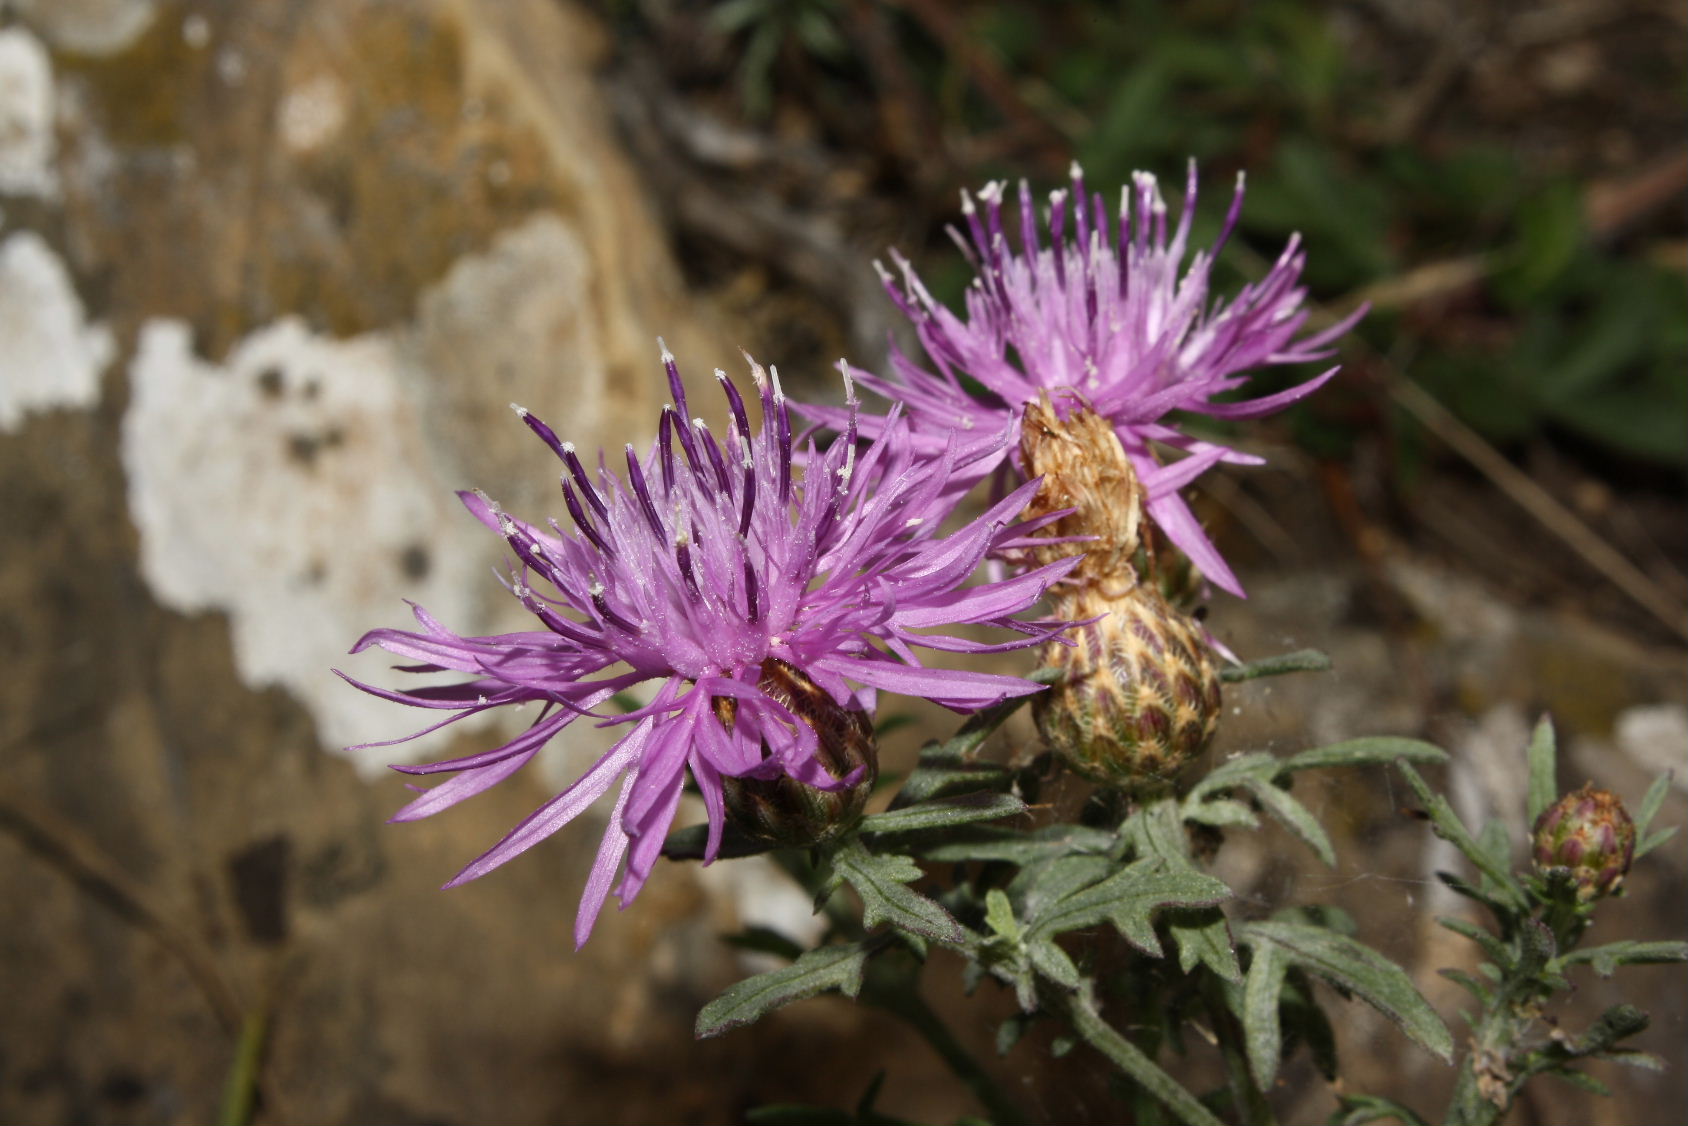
(1080, 1009)
(903, 1001)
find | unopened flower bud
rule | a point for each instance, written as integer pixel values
(791, 814)
(1589, 833)
(1140, 697)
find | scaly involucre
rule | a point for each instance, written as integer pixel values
(705, 561)
(1105, 318)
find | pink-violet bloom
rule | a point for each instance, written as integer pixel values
(1102, 314)
(705, 560)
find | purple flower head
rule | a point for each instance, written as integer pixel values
(1102, 315)
(707, 560)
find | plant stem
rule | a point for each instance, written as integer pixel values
(1080, 1008)
(896, 993)
(1249, 1101)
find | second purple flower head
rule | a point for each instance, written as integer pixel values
(1100, 317)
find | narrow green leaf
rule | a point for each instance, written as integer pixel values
(1203, 937)
(1449, 827)
(1234, 771)
(829, 967)
(1581, 1080)
(946, 812)
(1646, 1061)
(1493, 948)
(999, 915)
(1653, 841)
(1052, 962)
(940, 774)
(1221, 813)
(1606, 959)
(1651, 803)
(1496, 844)
(881, 880)
(1302, 660)
(1295, 817)
(1261, 1034)
(1360, 1110)
(989, 842)
(1370, 751)
(1362, 971)
(1544, 774)
(1484, 995)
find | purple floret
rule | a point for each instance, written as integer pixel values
(704, 560)
(1105, 315)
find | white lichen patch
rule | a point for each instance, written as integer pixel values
(291, 488)
(26, 116)
(50, 356)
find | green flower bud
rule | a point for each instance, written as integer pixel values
(1590, 834)
(783, 811)
(1140, 697)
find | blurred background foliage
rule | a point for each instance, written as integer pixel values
(1502, 181)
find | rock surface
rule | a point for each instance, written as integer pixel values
(270, 276)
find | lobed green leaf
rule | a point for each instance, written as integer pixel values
(1203, 937)
(881, 880)
(828, 967)
(1128, 899)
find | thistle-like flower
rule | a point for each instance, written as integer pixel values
(1104, 317)
(736, 587)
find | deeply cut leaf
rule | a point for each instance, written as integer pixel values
(744, 1002)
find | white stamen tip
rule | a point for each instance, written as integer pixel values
(779, 392)
(568, 447)
(966, 202)
(849, 384)
(667, 356)
(1242, 178)
(1075, 172)
(521, 411)
(721, 375)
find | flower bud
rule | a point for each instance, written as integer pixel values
(1589, 833)
(1140, 697)
(783, 811)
